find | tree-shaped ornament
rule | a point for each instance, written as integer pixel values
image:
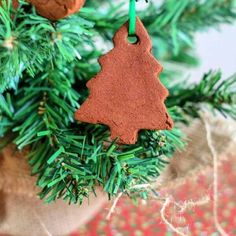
(127, 95)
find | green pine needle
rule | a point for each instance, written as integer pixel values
(44, 68)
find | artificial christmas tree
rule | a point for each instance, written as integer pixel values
(44, 68)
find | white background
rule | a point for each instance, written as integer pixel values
(216, 50)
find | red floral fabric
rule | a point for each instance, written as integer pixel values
(144, 219)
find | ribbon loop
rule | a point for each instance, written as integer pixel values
(132, 18)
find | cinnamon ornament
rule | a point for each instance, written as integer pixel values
(57, 9)
(127, 95)
(54, 9)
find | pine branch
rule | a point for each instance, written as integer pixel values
(73, 172)
(28, 42)
(71, 160)
(212, 90)
(42, 83)
(172, 25)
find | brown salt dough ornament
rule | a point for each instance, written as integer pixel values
(57, 9)
(126, 95)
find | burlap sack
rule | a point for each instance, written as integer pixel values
(22, 213)
(197, 159)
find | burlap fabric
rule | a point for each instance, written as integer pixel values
(197, 159)
(22, 213)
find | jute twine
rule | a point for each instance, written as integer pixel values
(211, 140)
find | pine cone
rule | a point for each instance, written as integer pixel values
(57, 9)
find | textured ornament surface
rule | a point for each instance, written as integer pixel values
(54, 9)
(127, 95)
(57, 9)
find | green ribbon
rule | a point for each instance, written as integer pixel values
(132, 18)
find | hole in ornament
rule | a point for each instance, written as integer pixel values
(133, 39)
